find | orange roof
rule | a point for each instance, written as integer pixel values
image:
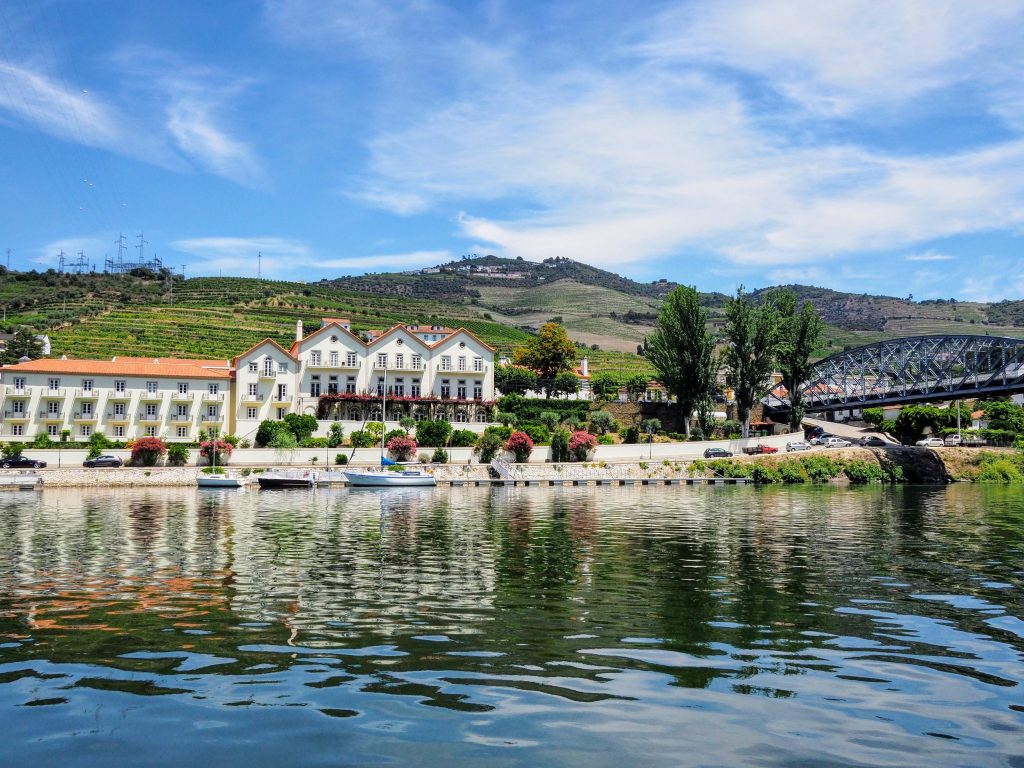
(155, 367)
(338, 320)
(977, 414)
(257, 345)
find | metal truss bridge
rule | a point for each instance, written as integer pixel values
(912, 370)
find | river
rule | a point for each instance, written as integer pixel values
(513, 627)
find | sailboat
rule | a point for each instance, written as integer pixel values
(213, 480)
(386, 478)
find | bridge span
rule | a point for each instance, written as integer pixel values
(914, 369)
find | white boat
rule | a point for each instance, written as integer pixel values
(386, 479)
(220, 481)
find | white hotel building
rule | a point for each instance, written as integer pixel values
(427, 372)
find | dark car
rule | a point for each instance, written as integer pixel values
(872, 440)
(106, 460)
(717, 453)
(22, 462)
(813, 432)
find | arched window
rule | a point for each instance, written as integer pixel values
(461, 417)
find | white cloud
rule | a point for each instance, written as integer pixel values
(993, 278)
(843, 55)
(239, 255)
(92, 247)
(192, 123)
(929, 255)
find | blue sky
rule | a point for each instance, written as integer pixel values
(864, 146)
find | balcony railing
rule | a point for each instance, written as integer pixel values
(116, 416)
(86, 394)
(81, 416)
(144, 417)
(212, 419)
(265, 374)
(150, 397)
(124, 394)
(13, 391)
(214, 397)
(51, 416)
(183, 396)
(16, 415)
(250, 398)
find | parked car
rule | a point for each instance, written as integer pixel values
(753, 450)
(872, 440)
(797, 445)
(717, 453)
(22, 462)
(837, 442)
(953, 440)
(820, 439)
(930, 442)
(105, 460)
(811, 432)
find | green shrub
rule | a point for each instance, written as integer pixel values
(820, 469)
(395, 433)
(605, 440)
(730, 468)
(360, 438)
(560, 446)
(764, 474)
(1001, 470)
(792, 472)
(698, 466)
(632, 435)
(874, 416)
(340, 459)
(503, 433)
(336, 435)
(177, 454)
(540, 434)
(314, 442)
(488, 445)
(433, 434)
(861, 472)
(440, 455)
(463, 438)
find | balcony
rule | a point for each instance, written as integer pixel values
(279, 399)
(215, 419)
(180, 418)
(256, 398)
(152, 418)
(214, 397)
(122, 395)
(183, 397)
(117, 418)
(15, 416)
(265, 374)
(82, 416)
(86, 394)
(48, 416)
(55, 392)
(152, 397)
(12, 391)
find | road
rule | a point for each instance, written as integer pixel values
(847, 431)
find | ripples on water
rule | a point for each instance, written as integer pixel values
(604, 627)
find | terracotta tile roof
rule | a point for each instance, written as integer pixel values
(338, 320)
(155, 367)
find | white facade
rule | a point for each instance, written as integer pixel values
(127, 398)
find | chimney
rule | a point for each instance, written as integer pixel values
(298, 330)
(585, 367)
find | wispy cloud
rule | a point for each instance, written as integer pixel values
(929, 255)
(387, 262)
(238, 255)
(193, 124)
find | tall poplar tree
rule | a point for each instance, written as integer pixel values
(801, 331)
(682, 351)
(753, 336)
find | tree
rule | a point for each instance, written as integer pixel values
(23, 344)
(336, 435)
(514, 379)
(222, 449)
(560, 446)
(605, 386)
(800, 333)
(753, 337)
(549, 419)
(433, 434)
(408, 423)
(549, 353)
(682, 351)
(565, 383)
(636, 386)
(521, 446)
(402, 448)
(11, 450)
(267, 430)
(603, 422)
(581, 444)
(301, 425)
(488, 445)
(146, 451)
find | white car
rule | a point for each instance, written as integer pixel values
(953, 440)
(797, 445)
(837, 442)
(930, 442)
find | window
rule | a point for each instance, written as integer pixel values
(399, 360)
(18, 430)
(380, 385)
(87, 385)
(52, 430)
(268, 367)
(332, 385)
(478, 364)
(446, 362)
(150, 431)
(414, 390)
(351, 359)
(282, 366)
(182, 387)
(150, 411)
(399, 388)
(19, 384)
(462, 363)
(119, 409)
(461, 417)
(460, 391)
(54, 385)
(333, 357)
(213, 389)
(281, 412)
(85, 430)
(251, 413)
(418, 415)
(87, 409)
(417, 361)
(282, 391)
(18, 406)
(481, 417)
(254, 390)
(182, 411)
(119, 385)
(478, 391)
(314, 358)
(382, 359)
(253, 367)
(118, 431)
(350, 385)
(211, 412)
(151, 387)
(182, 431)
(314, 387)
(53, 407)
(446, 390)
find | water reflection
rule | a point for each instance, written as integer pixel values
(799, 624)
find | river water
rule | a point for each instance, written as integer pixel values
(513, 627)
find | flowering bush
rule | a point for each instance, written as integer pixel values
(402, 447)
(148, 450)
(581, 444)
(223, 448)
(521, 445)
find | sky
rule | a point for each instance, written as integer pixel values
(860, 145)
